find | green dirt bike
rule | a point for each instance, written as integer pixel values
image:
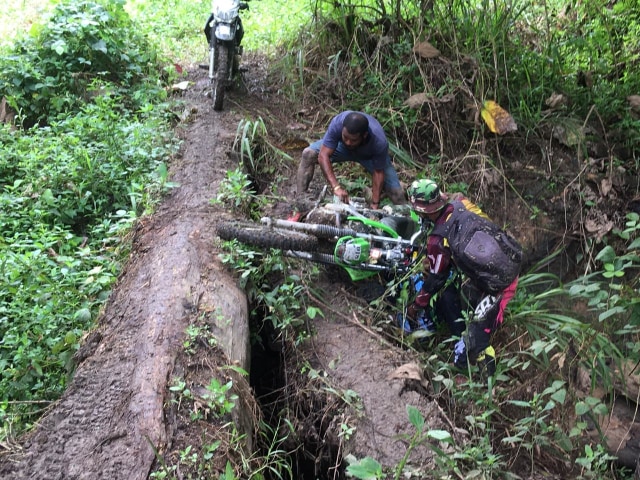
(362, 241)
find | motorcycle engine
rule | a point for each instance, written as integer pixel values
(352, 250)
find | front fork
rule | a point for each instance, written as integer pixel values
(212, 58)
(232, 49)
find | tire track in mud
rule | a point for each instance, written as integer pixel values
(112, 411)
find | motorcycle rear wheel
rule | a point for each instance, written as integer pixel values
(266, 237)
(220, 82)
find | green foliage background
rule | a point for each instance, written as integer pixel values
(93, 134)
(89, 159)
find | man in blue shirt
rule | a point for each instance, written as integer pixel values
(352, 137)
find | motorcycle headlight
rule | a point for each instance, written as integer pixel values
(352, 251)
(225, 10)
(223, 31)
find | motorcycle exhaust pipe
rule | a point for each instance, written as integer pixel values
(328, 231)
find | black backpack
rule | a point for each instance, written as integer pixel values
(488, 255)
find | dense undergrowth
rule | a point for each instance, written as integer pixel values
(85, 157)
(540, 411)
(568, 337)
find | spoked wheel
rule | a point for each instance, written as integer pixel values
(266, 237)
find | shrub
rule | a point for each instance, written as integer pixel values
(56, 69)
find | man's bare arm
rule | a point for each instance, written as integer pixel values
(376, 187)
(324, 159)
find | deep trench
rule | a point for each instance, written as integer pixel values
(313, 457)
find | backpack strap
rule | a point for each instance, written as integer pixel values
(444, 229)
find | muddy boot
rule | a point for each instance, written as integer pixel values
(487, 363)
(396, 195)
(305, 170)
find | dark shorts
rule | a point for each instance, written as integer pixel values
(342, 154)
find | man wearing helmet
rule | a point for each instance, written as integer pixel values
(357, 137)
(486, 309)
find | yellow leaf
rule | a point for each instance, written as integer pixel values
(497, 118)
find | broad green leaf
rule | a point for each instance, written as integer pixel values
(609, 313)
(365, 469)
(441, 435)
(36, 366)
(635, 244)
(560, 396)
(582, 408)
(606, 255)
(83, 315)
(100, 45)
(415, 417)
(70, 338)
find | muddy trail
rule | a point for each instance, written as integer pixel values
(112, 413)
(123, 411)
(113, 419)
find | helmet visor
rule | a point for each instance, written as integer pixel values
(434, 206)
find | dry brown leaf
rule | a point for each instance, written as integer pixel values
(561, 357)
(6, 113)
(569, 134)
(409, 371)
(296, 126)
(491, 177)
(599, 227)
(634, 102)
(426, 50)
(449, 97)
(417, 100)
(497, 118)
(180, 86)
(583, 380)
(630, 372)
(605, 186)
(556, 100)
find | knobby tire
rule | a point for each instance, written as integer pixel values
(220, 83)
(266, 237)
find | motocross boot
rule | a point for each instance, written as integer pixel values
(487, 362)
(305, 170)
(396, 195)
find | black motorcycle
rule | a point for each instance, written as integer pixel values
(224, 33)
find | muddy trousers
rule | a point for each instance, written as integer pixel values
(487, 315)
(392, 186)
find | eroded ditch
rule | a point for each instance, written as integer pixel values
(291, 404)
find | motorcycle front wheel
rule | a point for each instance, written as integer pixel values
(220, 79)
(266, 237)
